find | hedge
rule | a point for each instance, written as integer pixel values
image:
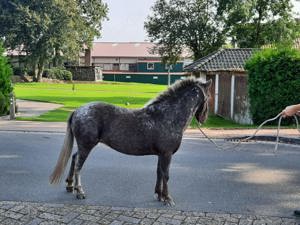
(273, 82)
(57, 73)
(5, 83)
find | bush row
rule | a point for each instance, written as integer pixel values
(57, 73)
(53, 73)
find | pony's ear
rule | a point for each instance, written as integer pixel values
(207, 85)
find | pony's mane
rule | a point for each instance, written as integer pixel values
(173, 90)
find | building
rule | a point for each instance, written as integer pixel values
(229, 96)
(131, 62)
(16, 57)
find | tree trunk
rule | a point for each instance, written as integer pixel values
(40, 71)
(55, 58)
(35, 72)
(257, 40)
(54, 62)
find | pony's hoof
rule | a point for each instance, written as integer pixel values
(80, 196)
(69, 189)
(169, 202)
(157, 197)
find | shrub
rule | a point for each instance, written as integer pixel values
(3, 103)
(57, 73)
(30, 73)
(274, 82)
(5, 83)
(19, 71)
(67, 75)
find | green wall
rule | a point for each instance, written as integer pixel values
(140, 78)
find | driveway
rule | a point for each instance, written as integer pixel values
(251, 180)
(249, 186)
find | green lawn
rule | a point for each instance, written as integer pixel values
(129, 95)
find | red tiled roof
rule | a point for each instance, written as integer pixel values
(123, 49)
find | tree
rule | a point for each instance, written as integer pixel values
(49, 29)
(179, 24)
(5, 83)
(260, 22)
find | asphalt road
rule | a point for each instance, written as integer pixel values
(249, 180)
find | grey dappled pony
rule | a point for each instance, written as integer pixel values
(155, 129)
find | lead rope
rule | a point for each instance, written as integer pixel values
(221, 147)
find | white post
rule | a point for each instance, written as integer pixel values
(169, 76)
(12, 110)
(216, 93)
(232, 96)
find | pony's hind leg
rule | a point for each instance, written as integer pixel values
(82, 155)
(70, 177)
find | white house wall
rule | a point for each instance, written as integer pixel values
(128, 60)
(114, 60)
(203, 76)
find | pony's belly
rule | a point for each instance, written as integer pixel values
(136, 152)
(130, 144)
(130, 149)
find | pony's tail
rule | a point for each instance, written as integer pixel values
(64, 155)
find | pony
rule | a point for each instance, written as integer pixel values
(155, 129)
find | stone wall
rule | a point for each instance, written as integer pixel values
(82, 73)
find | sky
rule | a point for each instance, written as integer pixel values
(126, 20)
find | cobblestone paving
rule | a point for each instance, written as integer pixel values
(37, 213)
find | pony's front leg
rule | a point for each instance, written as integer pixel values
(158, 186)
(165, 165)
(70, 177)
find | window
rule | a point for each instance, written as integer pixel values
(101, 65)
(150, 66)
(155, 78)
(128, 77)
(124, 66)
(116, 66)
(107, 66)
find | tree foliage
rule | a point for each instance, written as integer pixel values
(5, 83)
(260, 22)
(50, 29)
(178, 24)
(204, 25)
(273, 82)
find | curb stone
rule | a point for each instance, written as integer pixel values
(285, 140)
